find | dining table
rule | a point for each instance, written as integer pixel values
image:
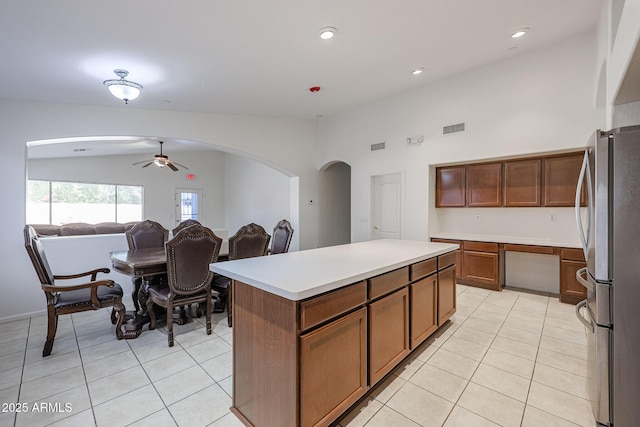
(149, 265)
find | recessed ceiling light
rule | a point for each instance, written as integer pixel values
(519, 33)
(327, 33)
(417, 71)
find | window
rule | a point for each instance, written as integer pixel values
(58, 203)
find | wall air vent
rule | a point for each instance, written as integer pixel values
(458, 127)
(378, 146)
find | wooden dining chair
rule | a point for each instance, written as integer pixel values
(281, 237)
(75, 298)
(250, 240)
(189, 254)
(143, 235)
(184, 224)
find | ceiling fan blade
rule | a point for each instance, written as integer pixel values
(182, 166)
(150, 163)
(137, 163)
(173, 168)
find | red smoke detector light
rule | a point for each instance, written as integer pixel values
(314, 89)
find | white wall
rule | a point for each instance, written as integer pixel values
(531, 103)
(288, 144)
(256, 193)
(159, 184)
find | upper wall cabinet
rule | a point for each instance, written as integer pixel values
(450, 187)
(522, 182)
(527, 182)
(561, 178)
(484, 185)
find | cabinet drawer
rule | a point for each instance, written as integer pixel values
(387, 282)
(481, 247)
(446, 260)
(423, 268)
(573, 254)
(317, 310)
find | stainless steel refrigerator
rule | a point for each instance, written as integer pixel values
(609, 228)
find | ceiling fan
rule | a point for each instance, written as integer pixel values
(161, 160)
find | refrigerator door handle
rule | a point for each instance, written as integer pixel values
(580, 277)
(587, 324)
(584, 171)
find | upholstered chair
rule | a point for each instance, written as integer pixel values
(281, 237)
(75, 298)
(183, 224)
(189, 254)
(250, 240)
(144, 235)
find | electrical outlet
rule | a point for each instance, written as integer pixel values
(477, 217)
(552, 217)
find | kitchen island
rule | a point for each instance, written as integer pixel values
(315, 330)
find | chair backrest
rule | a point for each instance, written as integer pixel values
(249, 241)
(281, 238)
(146, 234)
(189, 254)
(183, 224)
(36, 253)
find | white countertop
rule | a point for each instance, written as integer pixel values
(303, 274)
(517, 240)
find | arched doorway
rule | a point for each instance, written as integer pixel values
(335, 204)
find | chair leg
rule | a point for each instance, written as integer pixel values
(121, 311)
(208, 313)
(152, 314)
(114, 318)
(52, 326)
(170, 324)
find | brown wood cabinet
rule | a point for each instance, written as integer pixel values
(561, 179)
(388, 333)
(451, 186)
(571, 291)
(457, 252)
(484, 185)
(424, 309)
(341, 349)
(530, 181)
(304, 363)
(481, 265)
(446, 293)
(522, 183)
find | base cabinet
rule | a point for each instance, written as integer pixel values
(388, 333)
(446, 293)
(339, 348)
(305, 363)
(571, 291)
(424, 309)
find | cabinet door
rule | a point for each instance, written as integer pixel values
(424, 309)
(560, 180)
(484, 185)
(333, 369)
(388, 333)
(446, 293)
(481, 267)
(571, 291)
(450, 187)
(522, 181)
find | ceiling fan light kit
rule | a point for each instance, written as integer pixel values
(161, 160)
(122, 88)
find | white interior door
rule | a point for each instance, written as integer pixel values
(386, 212)
(188, 204)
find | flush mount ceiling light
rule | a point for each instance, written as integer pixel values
(519, 33)
(121, 88)
(327, 33)
(417, 71)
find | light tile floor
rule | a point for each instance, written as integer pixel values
(505, 359)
